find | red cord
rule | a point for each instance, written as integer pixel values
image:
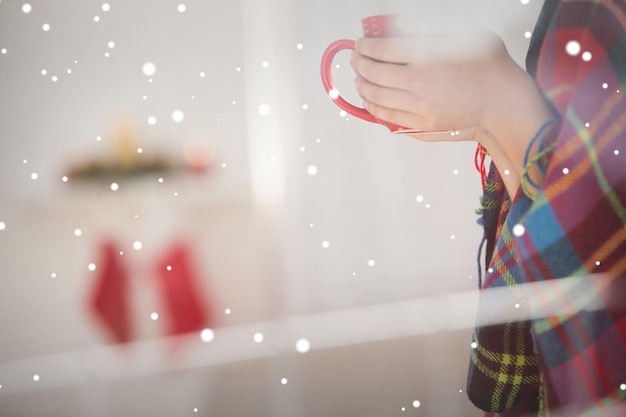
(479, 163)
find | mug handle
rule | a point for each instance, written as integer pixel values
(327, 81)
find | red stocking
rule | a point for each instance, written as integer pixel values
(185, 310)
(110, 301)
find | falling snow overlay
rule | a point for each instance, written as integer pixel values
(317, 249)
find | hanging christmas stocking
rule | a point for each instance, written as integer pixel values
(110, 298)
(185, 309)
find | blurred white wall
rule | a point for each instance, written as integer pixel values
(273, 242)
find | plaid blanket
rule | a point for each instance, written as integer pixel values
(554, 341)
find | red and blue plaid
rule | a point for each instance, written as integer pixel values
(565, 354)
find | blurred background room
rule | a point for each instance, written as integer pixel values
(189, 226)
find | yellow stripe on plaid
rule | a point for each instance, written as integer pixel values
(578, 300)
(605, 250)
(504, 379)
(571, 146)
(521, 360)
(616, 129)
(495, 376)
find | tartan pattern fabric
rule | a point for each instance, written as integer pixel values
(569, 357)
(504, 369)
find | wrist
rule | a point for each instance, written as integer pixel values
(517, 111)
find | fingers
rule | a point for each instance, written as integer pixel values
(384, 74)
(393, 51)
(383, 96)
(407, 119)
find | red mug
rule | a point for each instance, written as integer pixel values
(379, 26)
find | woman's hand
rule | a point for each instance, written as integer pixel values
(460, 80)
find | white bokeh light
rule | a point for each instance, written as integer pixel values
(152, 120)
(312, 170)
(264, 109)
(91, 266)
(27, 8)
(586, 56)
(326, 244)
(416, 404)
(115, 186)
(284, 381)
(78, 232)
(181, 8)
(149, 69)
(258, 337)
(303, 345)
(3, 225)
(45, 27)
(572, 48)
(207, 335)
(178, 116)
(371, 263)
(106, 7)
(519, 230)
(154, 316)
(137, 245)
